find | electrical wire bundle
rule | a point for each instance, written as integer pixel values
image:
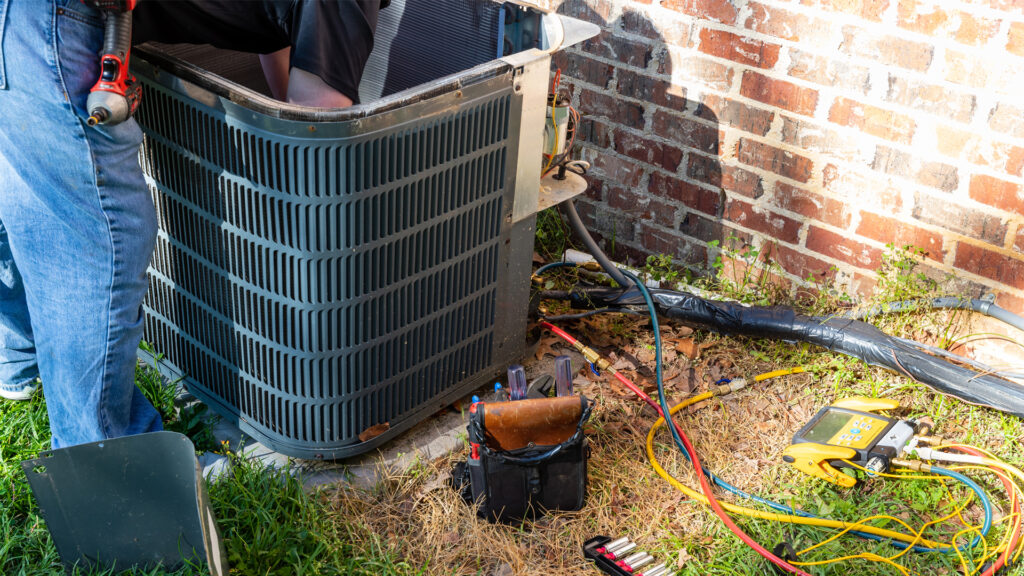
(552, 159)
(991, 559)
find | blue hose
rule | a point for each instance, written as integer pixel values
(986, 504)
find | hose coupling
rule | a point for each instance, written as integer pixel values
(915, 465)
(735, 385)
(932, 440)
(876, 466)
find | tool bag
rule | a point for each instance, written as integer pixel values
(526, 457)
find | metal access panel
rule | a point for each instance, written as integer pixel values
(321, 272)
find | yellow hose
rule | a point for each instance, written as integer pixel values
(772, 516)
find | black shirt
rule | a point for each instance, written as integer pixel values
(329, 38)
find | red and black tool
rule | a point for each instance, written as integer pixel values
(620, 558)
(116, 95)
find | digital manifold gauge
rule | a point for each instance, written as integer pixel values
(849, 431)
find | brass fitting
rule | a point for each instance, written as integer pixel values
(915, 465)
(931, 440)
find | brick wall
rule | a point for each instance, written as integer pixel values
(819, 129)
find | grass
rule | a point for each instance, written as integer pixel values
(269, 525)
(411, 523)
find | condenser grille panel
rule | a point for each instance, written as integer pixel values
(313, 287)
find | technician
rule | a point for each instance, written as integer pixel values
(77, 223)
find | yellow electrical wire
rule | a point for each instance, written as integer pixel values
(995, 463)
(753, 512)
(845, 527)
(870, 556)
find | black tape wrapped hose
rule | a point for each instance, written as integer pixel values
(844, 335)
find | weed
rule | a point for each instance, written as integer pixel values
(660, 268)
(552, 237)
(744, 273)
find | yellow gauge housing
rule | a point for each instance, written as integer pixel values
(846, 431)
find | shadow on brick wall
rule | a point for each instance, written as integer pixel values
(655, 186)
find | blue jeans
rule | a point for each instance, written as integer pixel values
(77, 227)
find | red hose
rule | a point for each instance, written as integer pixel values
(704, 484)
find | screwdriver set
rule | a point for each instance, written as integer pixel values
(620, 557)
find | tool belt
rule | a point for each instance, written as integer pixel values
(527, 456)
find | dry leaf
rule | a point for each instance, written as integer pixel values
(547, 346)
(684, 557)
(687, 347)
(374, 431)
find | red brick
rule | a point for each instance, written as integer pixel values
(596, 132)
(872, 120)
(781, 162)
(691, 69)
(1007, 119)
(781, 23)
(792, 97)
(597, 11)
(621, 111)
(883, 49)
(827, 71)
(707, 229)
(990, 264)
(718, 10)
(1011, 303)
(582, 67)
(812, 137)
(933, 98)
(650, 89)
(738, 48)
(960, 219)
(862, 190)
(975, 30)
(707, 169)
(637, 22)
(736, 179)
(761, 220)
(626, 50)
(898, 163)
(736, 114)
(618, 169)
(1015, 162)
(997, 193)
(659, 241)
(595, 187)
(798, 262)
(811, 205)
(867, 9)
(982, 71)
(1016, 42)
(843, 248)
(693, 197)
(649, 151)
(642, 207)
(1018, 242)
(686, 132)
(926, 20)
(892, 231)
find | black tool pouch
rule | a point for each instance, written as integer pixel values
(527, 457)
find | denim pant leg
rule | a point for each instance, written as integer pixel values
(79, 219)
(17, 349)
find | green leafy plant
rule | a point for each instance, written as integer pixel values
(660, 268)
